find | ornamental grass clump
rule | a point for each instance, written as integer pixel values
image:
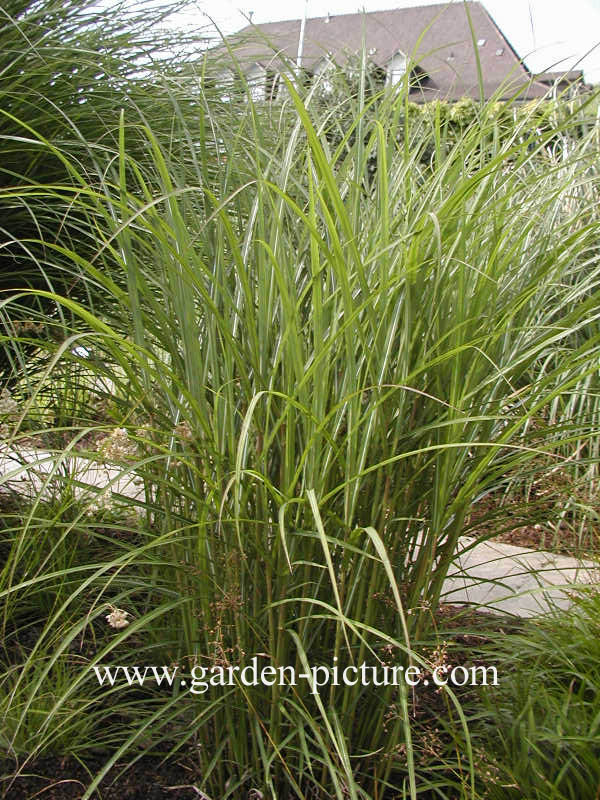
(339, 339)
(539, 727)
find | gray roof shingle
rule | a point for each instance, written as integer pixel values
(437, 37)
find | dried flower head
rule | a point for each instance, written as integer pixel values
(117, 618)
(144, 432)
(117, 446)
(101, 503)
(25, 326)
(134, 516)
(8, 405)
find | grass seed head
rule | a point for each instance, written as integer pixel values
(117, 446)
(118, 618)
(8, 405)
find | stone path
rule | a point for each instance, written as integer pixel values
(494, 576)
(515, 580)
(33, 472)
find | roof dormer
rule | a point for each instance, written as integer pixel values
(263, 83)
(396, 68)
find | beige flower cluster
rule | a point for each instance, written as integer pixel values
(8, 411)
(8, 404)
(100, 503)
(117, 446)
(118, 618)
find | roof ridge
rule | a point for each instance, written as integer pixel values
(448, 40)
(452, 3)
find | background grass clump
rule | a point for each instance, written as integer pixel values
(313, 348)
(539, 729)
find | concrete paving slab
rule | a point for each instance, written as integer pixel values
(515, 580)
(32, 472)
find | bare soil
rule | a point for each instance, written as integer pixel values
(56, 778)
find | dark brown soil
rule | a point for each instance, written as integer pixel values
(55, 778)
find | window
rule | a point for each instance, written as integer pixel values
(481, 42)
(419, 79)
(271, 84)
(500, 51)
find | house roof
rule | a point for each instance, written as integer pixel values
(437, 37)
(569, 77)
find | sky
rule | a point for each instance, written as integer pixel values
(547, 34)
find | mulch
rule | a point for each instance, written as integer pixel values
(56, 778)
(524, 523)
(64, 778)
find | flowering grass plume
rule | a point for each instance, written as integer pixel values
(117, 446)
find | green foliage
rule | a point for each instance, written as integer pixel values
(65, 71)
(317, 366)
(540, 729)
